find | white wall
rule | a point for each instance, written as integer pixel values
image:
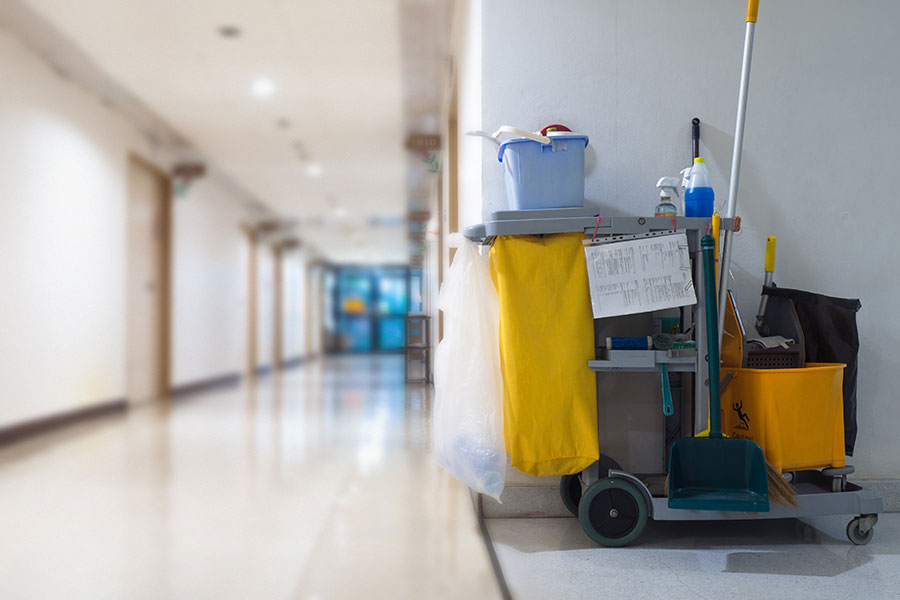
(468, 60)
(294, 306)
(820, 144)
(209, 287)
(63, 159)
(63, 248)
(315, 306)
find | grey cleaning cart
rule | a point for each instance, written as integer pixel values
(614, 503)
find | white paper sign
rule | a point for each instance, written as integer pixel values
(640, 275)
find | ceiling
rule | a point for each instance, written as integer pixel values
(324, 149)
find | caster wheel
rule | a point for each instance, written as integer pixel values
(857, 537)
(613, 512)
(839, 483)
(570, 492)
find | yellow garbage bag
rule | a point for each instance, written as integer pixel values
(546, 341)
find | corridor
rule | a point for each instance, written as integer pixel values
(315, 484)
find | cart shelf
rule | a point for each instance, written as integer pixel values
(645, 360)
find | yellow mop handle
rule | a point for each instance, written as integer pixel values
(716, 224)
(752, 10)
(770, 254)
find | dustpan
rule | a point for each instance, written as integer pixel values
(716, 473)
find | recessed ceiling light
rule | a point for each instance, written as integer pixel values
(314, 170)
(340, 212)
(262, 87)
(230, 31)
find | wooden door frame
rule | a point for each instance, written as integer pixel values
(278, 306)
(252, 236)
(164, 376)
(452, 199)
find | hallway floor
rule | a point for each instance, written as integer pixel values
(315, 485)
(783, 559)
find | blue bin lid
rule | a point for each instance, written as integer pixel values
(553, 135)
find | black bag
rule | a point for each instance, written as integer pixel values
(829, 326)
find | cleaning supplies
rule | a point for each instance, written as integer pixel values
(730, 213)
(541, 171)
(546, 339)
(771, 245)
(667, 320)
(668, 187)
(716, 473)
(699, 196)
(629, 343)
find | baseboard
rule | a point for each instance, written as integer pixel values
(42, 425)
(290, 363)
(525, 502)
(205, 385)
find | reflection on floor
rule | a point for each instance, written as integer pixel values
(313, 485)
(789, 559)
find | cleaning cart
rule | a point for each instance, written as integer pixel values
(683, 463)
(614, 503)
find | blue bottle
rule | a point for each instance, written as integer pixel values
(699, 197)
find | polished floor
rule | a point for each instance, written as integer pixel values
(772, 560)
(313, 485)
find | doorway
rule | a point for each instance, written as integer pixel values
(149, 239)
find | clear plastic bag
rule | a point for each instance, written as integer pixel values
(468, 411)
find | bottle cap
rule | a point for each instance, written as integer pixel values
(699, 159)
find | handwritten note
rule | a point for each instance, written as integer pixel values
(640, 275)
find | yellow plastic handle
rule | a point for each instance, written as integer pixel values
(752, 10)
(770, 254)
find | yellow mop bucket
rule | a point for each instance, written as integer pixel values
(795, 415)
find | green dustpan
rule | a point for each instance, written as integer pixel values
(716, 473)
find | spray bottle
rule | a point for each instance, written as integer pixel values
(699, 197)
(668, 187)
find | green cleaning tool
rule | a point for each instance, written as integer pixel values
(716, 473)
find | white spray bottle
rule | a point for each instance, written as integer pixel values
(668, 187)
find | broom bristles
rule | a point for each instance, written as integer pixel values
(780, 491)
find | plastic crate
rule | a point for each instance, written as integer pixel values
(795, 415)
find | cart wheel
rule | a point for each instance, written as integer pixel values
(613, 512)
(839, 483)
(856, 536)
(570, 492)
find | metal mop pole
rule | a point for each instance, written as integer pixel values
(752, 9)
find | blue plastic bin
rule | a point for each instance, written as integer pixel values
(544, 175)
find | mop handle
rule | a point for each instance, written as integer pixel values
(752, 10)
(707, 247)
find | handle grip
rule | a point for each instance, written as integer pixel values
(771, 242)
(752, 10)
(521, 133)
(712, 335)
(695, 137)
(668, 407)
(716, 227)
